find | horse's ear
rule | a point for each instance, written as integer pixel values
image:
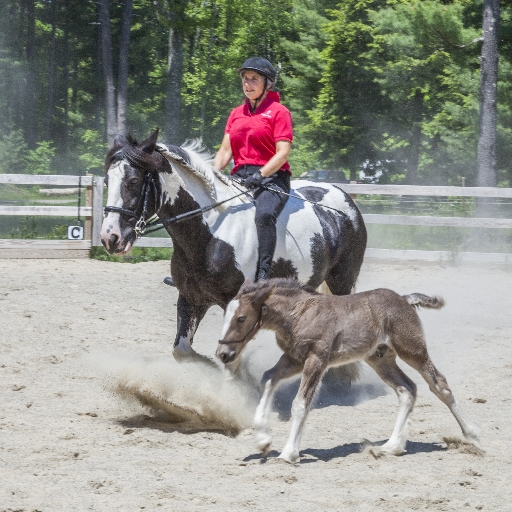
(149, 145)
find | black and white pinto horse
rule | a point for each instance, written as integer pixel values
(216, 251)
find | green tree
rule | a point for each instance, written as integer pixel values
(422, 57)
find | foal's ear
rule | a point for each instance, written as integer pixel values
(261, 296)
(243, 288)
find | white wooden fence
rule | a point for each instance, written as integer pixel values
(93, 213)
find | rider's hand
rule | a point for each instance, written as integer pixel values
(253, 181)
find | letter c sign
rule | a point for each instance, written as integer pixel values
(75, 233)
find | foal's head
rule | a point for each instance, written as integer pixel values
(243, 318)
(246, 313)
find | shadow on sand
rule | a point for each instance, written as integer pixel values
(311, 455)
(330, 393)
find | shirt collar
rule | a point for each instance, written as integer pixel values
(271, 97)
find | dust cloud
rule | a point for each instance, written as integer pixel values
(195, 394)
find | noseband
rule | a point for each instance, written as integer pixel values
(257, 325)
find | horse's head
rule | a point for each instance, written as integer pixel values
(243, 319)
(133, 190)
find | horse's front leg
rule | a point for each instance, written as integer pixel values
(311, 376)
(189, 316)
(284, 369)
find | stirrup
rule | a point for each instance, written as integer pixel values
(262, 275)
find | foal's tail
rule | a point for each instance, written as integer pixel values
(419, 300)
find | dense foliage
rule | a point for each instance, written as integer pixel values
(388, 87)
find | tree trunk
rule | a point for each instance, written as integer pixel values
(122, 85)
(413, 157)
(65, 84)
(486, 155)
(51, 73)
(173, 93)
(108, 71)
(29, 105)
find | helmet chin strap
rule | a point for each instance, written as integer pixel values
(258, 99)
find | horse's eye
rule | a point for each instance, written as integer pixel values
(241, 319)
(134, 181)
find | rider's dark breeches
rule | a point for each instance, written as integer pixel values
(269, 205)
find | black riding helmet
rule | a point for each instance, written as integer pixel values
(260, 65)
(264, 68)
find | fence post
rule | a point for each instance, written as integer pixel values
(88, 220)
(353, 196)
(97, 209)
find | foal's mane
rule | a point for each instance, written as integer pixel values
(280, 286)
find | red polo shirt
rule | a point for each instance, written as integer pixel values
(253, 137)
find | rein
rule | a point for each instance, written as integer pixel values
(142, 224)
(257, 325)
(272, 189)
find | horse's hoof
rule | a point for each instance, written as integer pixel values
(168, 281)
(263, 443)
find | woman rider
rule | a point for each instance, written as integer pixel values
(258, 136)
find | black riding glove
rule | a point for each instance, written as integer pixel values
(253, 181)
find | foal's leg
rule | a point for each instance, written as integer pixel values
(285, 368)
(384, 363)
(437, 383)
(311, 376)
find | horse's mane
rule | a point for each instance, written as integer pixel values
(191, 156)
(199, 162)
(280, 286)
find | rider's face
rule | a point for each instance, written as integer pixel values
(253, 84)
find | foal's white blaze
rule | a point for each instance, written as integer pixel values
(228, 316)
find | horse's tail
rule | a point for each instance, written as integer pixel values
(419, 300)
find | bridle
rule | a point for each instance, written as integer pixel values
(257, 325)
(141, 211)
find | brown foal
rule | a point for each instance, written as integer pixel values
(316, 331)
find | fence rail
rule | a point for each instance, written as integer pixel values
(93, 214)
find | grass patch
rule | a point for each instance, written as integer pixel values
(136, 255)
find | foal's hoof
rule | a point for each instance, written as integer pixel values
(263, 443)
(290, 458)
(382, 450)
